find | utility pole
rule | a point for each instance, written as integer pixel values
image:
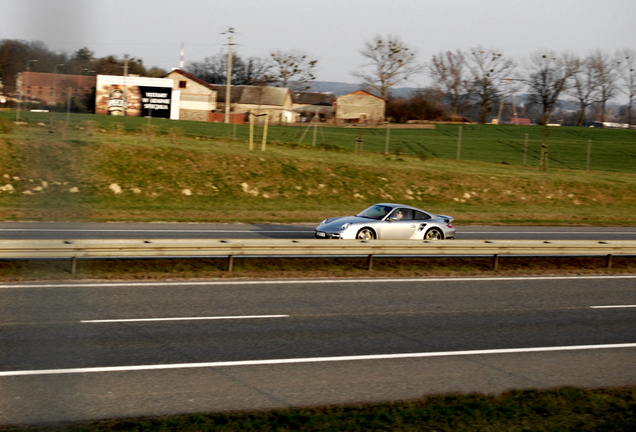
(125, 88)
(22, 84)
(512, 100)
(53, 100)
(229, 76)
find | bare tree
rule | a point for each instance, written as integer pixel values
(584, 86)
(391, 62)
(548, 76)
(292, 69)
(488, 68)
(213, 70)
(448, 73)
(627, 69)
(605, 69)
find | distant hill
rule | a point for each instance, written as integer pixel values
(340, 88)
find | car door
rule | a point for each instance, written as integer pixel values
(399, 225)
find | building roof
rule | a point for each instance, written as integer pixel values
(192, 77)
(312, 98)
(360, 93)
(254, 95)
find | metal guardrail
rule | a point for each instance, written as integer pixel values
(210, 248)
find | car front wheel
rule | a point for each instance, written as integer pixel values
(434, 234)
(365, 234)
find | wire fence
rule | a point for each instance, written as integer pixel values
(574, 148)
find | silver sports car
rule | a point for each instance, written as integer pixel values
(388, 221)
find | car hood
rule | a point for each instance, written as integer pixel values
(337, 222)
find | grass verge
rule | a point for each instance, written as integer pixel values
(305, 268)
(563, 409)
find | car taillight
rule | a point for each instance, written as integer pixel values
(449, 225)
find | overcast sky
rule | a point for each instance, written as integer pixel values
(332, 30)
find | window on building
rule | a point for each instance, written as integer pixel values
(182, 84)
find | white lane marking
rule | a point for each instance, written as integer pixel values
(611, 307)
(185, 318)
(306, 281)
(312, 360)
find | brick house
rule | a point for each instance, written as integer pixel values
(49, 88)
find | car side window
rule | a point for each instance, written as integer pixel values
(401, 214)
(421, 215)
(407, 214)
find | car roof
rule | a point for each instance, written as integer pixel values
(393, 205)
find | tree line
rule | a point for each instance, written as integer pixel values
(14, 55)
(474, 84)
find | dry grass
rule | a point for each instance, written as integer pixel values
(306, 268)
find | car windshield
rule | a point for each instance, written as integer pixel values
(375, 212)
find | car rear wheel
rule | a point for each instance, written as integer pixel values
(365, 234)
(434, 234)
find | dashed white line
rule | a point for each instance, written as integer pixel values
(613, 307)
(183, 319)
(311, 360)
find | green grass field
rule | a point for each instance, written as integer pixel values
(611, 149)
(197, 174)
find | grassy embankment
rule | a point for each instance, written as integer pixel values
(190, 178)
(565, 409)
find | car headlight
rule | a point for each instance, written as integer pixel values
(345, 226)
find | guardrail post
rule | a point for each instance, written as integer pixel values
(495, 262)
(73, 265)
(609, 261)
(370, 263)
(230, 263)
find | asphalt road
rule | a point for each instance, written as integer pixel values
(55, 230)
(91, 350)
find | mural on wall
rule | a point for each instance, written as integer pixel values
(135, 97)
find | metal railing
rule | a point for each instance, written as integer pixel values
(272, 248)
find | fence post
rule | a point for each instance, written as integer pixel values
(459, 143)
(370, 263)
(251, 130)
(495, 263)
(359, 143)
(388, 133)
(316, 121)
(265, 133)
(230, 263)
(73, 265)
